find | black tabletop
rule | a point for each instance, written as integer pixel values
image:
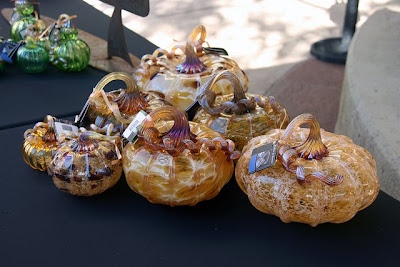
(40, 224)
(27, 98)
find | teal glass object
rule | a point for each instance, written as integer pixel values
(70, 53)
(32, 58)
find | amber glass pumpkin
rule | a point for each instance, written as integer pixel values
(175, 162)
(32, 58)
(113, 111)
(21, 19)
(69, 53)
(318, 177)
(238, 116)
(39, 144)
(179, 76)
(87, 164)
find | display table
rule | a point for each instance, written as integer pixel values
(42, 226)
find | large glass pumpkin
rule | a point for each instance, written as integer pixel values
(179, 76)
(238, 116)
(39, 144)
(87, 164)
(32, 58)
(113, 111)
(69, 53)
(21, 19)
(319, 176)
(176, 162)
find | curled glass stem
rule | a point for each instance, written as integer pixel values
(312, 148)
(192, 63)
(240, 104)
(130, 101)
(179, 137)
(50, 135)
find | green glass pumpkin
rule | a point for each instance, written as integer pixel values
(22, 8)
(32, 58)
(70, 53)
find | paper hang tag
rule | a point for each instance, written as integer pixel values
(219, 125)
(22, 33)
(65, 128)
(131, 132)
(9, 50)
(263, 157)
(215, 51)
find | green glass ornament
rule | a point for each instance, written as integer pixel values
(22, 8)
(18, 28)
(32, 58)
(70, 53)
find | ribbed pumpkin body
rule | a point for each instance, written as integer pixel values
(19, 26)
(32, 58)
(85, 168)
(177, 180)
(276, 191)
(70, 53)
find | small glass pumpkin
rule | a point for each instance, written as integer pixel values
(319, 176)
(87, 164)
(38, 32)
(39, 144)
(21, 19)
(238, 116)
(69, 53)
(21, 8)
(32, 58)
(113, 111)
(178, 77)
(176, 162)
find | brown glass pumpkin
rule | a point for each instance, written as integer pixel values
(178, 77)
(175, 162)
(239, 116)
(39, 144)
(113, 111)
(87, 164)
(319, 176)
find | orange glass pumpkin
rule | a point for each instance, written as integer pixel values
(176, 162)
(39, 144)
(87, 164)
(113, 111)
(179, 76)
(239, 116)
(319, 176)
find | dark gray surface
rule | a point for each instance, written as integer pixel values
(27, 98)
(40, 225)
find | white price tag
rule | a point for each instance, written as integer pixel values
(132, 130)
(65, 128)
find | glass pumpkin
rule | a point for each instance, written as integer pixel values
(318, 177)
(32, 58)
(87, 164)
(179, 76)
(21, 19)
(69, 53)
(38, 32)
(113, 111)
(39, 144)
(175, 162)
(238, 116)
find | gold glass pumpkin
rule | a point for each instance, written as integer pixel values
(176, 162)
(239, 116)
(39, 144)
(87, 164)
(179, 76)
(116, 109)
(319, 176)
